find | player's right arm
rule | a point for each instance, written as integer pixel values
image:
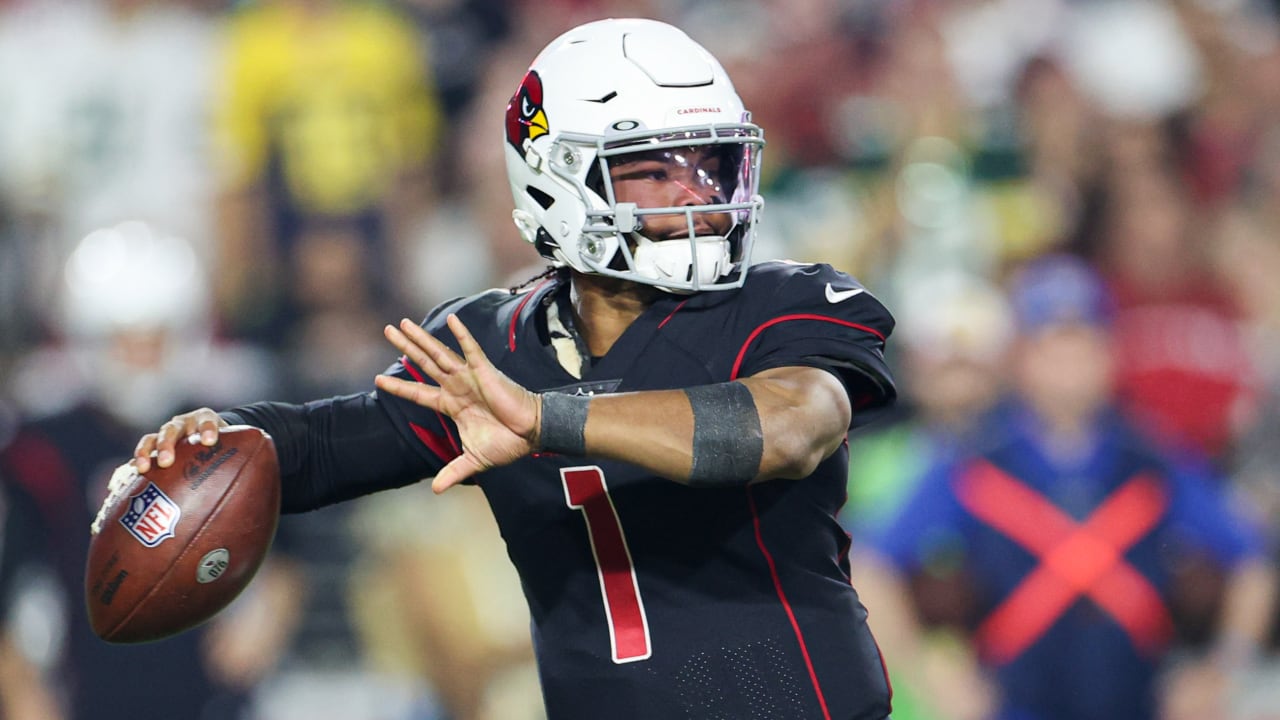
(328, 450)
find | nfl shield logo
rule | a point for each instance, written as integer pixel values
(151, 516)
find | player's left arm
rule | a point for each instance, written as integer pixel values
(777, 423)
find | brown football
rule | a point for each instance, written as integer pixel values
(171, 548)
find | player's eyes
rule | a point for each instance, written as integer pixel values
(640, 171)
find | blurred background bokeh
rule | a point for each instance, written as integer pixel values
(211, 202)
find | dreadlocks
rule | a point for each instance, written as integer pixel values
(551, 271)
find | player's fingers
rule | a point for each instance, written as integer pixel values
(142, 452)
(471, 350)
(207, 425)
(446, 358)
(427, 396)
(413, 352)
(167, 439)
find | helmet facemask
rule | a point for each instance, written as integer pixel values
(675, 209)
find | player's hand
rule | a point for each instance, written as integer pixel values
(496, 417)
(204, 422)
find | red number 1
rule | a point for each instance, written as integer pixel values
(584, 490)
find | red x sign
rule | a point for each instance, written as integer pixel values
(1076, 559)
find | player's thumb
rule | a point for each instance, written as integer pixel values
(458, 469)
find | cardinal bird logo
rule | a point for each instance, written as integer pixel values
(525, 116)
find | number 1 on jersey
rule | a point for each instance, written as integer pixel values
(584, 490)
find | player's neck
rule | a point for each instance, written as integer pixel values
(604, 308)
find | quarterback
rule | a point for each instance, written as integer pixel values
(658, 425)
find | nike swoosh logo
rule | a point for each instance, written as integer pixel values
(835, 296)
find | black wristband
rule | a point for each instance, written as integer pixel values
(564, 423)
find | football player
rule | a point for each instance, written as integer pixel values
(658, 426)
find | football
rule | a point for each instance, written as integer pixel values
(171, 548)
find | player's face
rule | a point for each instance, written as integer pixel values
(678, 178)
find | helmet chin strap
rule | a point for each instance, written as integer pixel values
(674, 260)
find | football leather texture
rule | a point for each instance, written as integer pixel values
(171, 548)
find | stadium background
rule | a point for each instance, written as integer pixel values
(324, 166)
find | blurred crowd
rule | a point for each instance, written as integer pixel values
(297, 173)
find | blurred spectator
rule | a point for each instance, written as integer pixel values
(437, 600)
(332, 667)
(1220, 134)
(460, 37)
(1133, 59)
(1247, 252)
(1069, 527)
(129, 359)
(902, 130)
(328, 125)
(15, 322)
(107, 108)
(113, 342)
(23, 691)
(954, 333)
(1182, 365)
(1057, 124)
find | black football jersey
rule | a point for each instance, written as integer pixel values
(654, 600)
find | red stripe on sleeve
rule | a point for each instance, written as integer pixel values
(742, 352)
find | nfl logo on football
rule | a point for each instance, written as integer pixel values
(152, 516)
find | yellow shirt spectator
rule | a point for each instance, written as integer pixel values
(335, 92)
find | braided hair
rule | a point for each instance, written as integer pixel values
(560, 272)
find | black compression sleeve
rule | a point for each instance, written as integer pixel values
(333, 450)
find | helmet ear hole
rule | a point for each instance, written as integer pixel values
(543, 243)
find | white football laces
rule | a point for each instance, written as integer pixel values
(122, 480)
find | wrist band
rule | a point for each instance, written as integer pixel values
(728, 442)
(564, 423)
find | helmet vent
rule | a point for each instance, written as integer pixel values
(540, 197)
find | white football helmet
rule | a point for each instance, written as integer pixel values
(604, 92)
